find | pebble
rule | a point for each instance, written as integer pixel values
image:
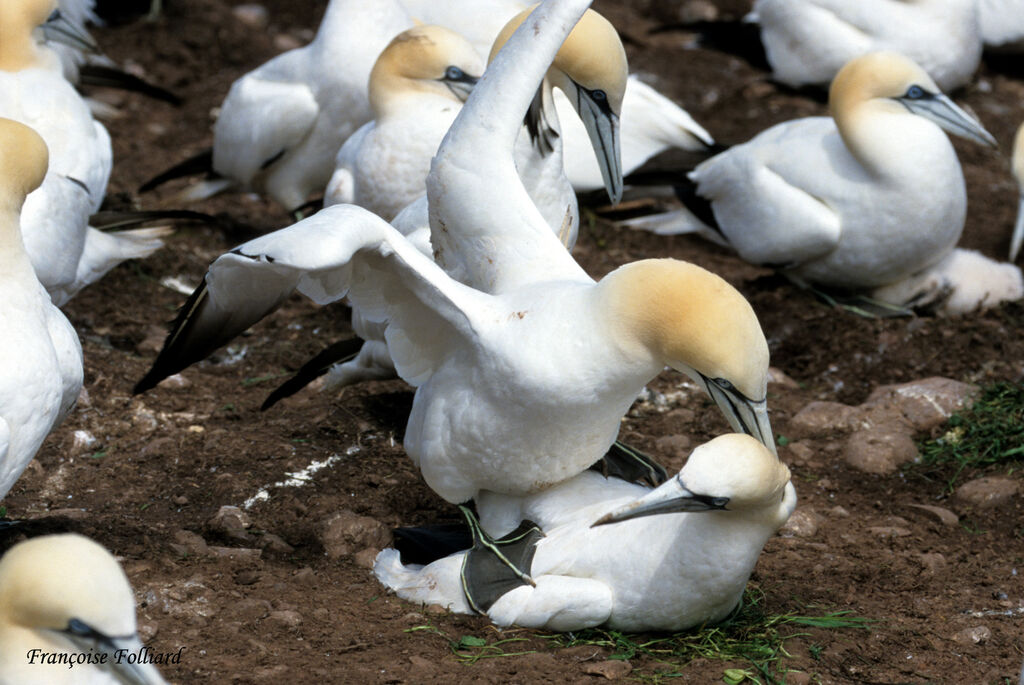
(988, 492)
(800, 452)
(275, 544)
(932, 562)
(231, 522)
(821, 419)
(188, 543)
(253, 16)
(778, 377)
(174, 382)
(609, 669)
(346, 533)
(247, 577)
(235, 553)
(879, 451)
(249, 609)
(82, 440)
(978, 635)
(283, 42)
(924, 404)
(305, 575)
(697, 10)
(366, 557)
(944, 516)
(288, 618)
(888, 531)
(803, 523)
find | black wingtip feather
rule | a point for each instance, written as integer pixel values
(170, 359)
(118, 220)
(201, 163)
(338, 352)
(112, 77)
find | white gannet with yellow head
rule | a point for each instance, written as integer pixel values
(65, 594)
(807, 42)
(858, 201)
(416, 89)
(281, 125)
(620, 555)
(66, 252)
(40, 356)
(516, 391)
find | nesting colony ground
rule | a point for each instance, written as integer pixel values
(284, 594)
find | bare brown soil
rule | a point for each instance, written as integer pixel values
(167, 461)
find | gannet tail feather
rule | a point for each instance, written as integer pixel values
(425, 544)
(201, 163)
(112, 77)
(336, 353)
(631, 465)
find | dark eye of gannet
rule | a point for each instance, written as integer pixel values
(724, 384)
(598, 95)
(915, 93)
(454, 74)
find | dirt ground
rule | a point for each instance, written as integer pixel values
(268, 604)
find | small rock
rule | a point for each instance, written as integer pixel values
(978, 635)
(234, 553)
(69, 513)
(253, 16)
(926, 403)
(609, 669)
(798, 678)
(231, 522)
(413, 618)
(153, 342)
(888, 531)
(944, 516)
(673, 445)
(778, 377)
(82, 441)
(347, 532)
(249, 609)
(174, 382)
(180, 500)
(187, 543)
(288, 618)
(305, 576)
(988, 492)
(822, 419)
(838, 512)
(144, 420)
(801, 452)
(932, 562)
(275, 544)
(435, 610)
(148, 630)
(877, 451)
(158, 448)
(803, 523)
(247, 577)
(272, 674)
(421, 665)
(365, 558)
(283, 42)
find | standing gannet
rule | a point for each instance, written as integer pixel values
(607, 552)
(41, 358)
(808, 41)
(416, 88)
(1018, 173)
(66, 596)
(515, 391)
(857, 201)
(66, 253)
(651, 123)
(281, 125)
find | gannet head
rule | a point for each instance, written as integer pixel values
(423, 59)
(18, 21)
(591, 69)
(694, 321)
(1018, 173)
(890, 80)
(23, 161)
(69, 589)
(733, 472)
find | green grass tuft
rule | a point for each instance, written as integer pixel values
(990, 433)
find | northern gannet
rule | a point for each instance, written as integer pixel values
(858, 201)
(1017, 162)
(602, 557)
(41, 358)
(589, 65)
(416, 88)
(808, 41)
(515, 391)
(281, 125)
(1002, 24)
(66, 253)
(66, 595)
(651, 123)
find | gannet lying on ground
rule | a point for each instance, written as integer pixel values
(515, 391)
(858, 201)
(599, 556)
(66, 253)
(808, 41)
(282, 124)
(64, 596)
(416, 88)
(40, 357)
(1017, 162)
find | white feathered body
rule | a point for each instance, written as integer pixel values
(795, 197)
(808, 41)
